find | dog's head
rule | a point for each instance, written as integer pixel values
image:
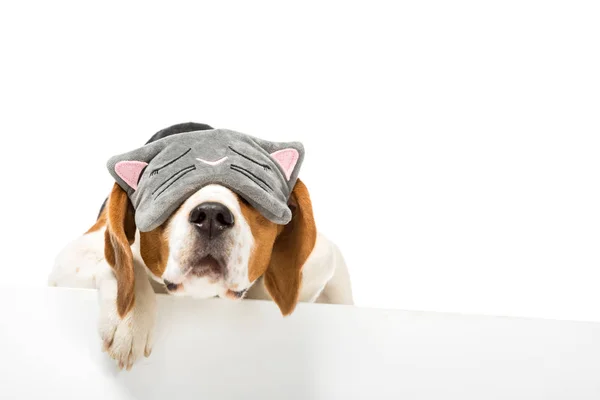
(216, 242)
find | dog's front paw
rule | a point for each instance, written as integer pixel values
(126, 339)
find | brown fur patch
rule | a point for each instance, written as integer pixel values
(279, 251)
(154, 248)
(264, 233)
(118, 237)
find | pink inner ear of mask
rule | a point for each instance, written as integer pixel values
(287, 159)
(130, 172)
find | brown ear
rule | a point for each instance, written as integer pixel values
(119, 235)
(290, 251)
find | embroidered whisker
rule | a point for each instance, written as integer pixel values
(176, 175)
(260, 182)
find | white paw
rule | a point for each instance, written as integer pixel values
(127, 339)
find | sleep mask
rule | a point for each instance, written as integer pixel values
(161, 175)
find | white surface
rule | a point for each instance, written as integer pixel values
(217, 349)
(483, 115)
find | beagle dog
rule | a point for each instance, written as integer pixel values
(214, 244)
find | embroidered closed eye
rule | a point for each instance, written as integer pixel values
(155, 170)
(265, 166)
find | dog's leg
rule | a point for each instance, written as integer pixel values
(81, 264)
(126, 338)
(338, 290)
(325, 277)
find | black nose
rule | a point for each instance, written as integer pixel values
(212, 218)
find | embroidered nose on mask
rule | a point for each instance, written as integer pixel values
(213, 163)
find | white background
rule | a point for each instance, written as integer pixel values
(452, 147)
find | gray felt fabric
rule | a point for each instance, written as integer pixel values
(173, 173)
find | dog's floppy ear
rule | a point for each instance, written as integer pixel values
(118, 237)
(290, 251)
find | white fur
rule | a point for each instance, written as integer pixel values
(81, 264)
(181, 232)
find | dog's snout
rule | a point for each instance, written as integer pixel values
(212, 218)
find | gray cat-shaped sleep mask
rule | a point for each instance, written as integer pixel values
(161, 175)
